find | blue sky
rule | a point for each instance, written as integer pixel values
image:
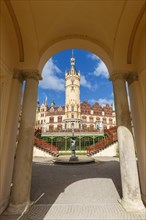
(95, 85)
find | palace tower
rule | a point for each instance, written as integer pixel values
(72, 102)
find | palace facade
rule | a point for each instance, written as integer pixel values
(74, 115)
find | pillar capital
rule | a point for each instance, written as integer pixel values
(133, 76)
(18, 75)
(119, 75)
(129, 76)
(25, 74)
(32, 74)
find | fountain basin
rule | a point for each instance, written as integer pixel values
(71, 160)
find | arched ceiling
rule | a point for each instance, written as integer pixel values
(107, 24)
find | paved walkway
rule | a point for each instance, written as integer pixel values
(76, 192)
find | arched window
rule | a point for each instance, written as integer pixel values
(72, 125)
(59, 118)
(51, 119)
(84, 126)
(91, 126)
(91, 119)
(84, 118)
(104, 120)
(59, 127)
(98, 119)
(110, 120)
(51, 127)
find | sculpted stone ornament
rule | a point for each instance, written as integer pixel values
(132, 77)
(73, 149)
(24, 74)
(129, 76)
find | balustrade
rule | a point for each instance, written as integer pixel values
(110, 139)
(53, 150)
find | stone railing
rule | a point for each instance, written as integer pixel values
(45, 146)
(75, 130)
(104, 143)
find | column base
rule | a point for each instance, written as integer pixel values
(143, 198)
(4, 205)
(133, 206)
(17, 209)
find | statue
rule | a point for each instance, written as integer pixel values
(73, 149)
(73, 146)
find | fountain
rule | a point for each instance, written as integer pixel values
(73, 149)
(73, 159)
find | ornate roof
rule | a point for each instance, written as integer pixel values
(72, 70)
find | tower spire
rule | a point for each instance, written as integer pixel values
(46, 101)
(72, 100)
(72, 60)
(72, 53)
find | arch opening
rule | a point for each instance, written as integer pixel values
(80, 43)
(87, 92)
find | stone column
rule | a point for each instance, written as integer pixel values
(131, 200)
(5, 90)
(20, 193)
(10, 133)
(138, 118)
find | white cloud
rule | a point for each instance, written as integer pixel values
(84, 82)
(92, 56)
(51, 80)
(92, 101)
(112, 94)
(100, 68)
(101, 101)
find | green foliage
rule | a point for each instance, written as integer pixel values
(68, 153)
(64, 142)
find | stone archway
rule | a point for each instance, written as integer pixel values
(109, 42)
(130, 186)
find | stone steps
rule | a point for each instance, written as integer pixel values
(46, 147)
(104, 143)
